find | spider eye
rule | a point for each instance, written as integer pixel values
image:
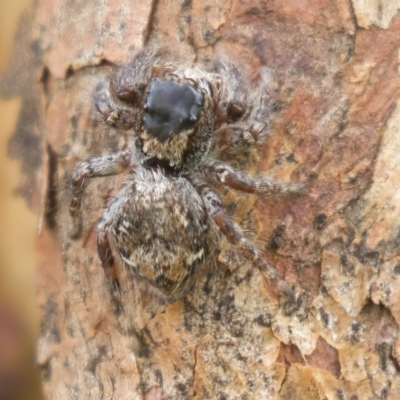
(171, 108)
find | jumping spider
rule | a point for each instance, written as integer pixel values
(164, 221)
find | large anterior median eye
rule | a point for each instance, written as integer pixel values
(170, 108)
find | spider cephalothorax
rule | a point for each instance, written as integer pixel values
(165, 221)
(177, 130)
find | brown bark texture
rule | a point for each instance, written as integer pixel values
(335, 128)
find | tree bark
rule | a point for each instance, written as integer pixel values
(335, 128)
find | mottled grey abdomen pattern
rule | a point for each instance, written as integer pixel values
(160, 229)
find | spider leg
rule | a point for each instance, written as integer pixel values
(105, 253)
(107, 259)
(104, 165)
(236, 237)
(261, 186)
(110, 109)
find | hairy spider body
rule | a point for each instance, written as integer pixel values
(163, 223)
(160, 228)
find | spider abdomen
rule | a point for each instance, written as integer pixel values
(161, 230)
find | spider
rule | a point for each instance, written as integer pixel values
(168, 217)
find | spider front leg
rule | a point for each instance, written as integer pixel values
(110, 109)
(236, 237)
(260, 186)
(104, 165)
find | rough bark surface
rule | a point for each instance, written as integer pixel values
(336, 129)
